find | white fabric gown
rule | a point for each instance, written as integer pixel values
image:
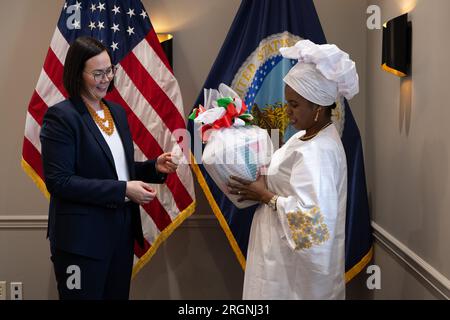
(297, 252)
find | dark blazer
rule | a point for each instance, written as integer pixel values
(87, 201)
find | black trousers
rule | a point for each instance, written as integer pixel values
(108, 278)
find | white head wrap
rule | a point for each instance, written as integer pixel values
(323, 74)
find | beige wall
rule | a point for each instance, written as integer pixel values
(398, 281)
(405, 153)
(26, 27)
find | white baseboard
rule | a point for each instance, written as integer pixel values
(40, 222)
(420, 267)
(23, 222)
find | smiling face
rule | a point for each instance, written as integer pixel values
(300, 111)
(96, 90)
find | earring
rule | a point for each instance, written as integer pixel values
(317, 116)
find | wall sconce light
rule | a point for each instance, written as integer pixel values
(166, 41)
(396, 56)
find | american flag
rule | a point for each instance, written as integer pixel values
(144, 85)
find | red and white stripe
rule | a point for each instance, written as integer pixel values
(149, 93)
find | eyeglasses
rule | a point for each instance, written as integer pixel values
(99, 74)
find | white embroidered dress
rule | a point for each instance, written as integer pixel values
(297, 252)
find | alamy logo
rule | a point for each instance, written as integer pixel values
(74, 20)
(74, 280)
(374, 280)
(374, 20)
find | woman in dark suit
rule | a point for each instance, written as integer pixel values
(96, 187)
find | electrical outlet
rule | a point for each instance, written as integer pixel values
(16, 291)
(2, 290)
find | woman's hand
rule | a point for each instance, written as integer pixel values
(164, 163)
(250, 190)
(140, 192)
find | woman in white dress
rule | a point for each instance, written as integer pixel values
(296, 246)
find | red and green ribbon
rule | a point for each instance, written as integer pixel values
(227, 120)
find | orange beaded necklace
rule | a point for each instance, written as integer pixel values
(101, 122)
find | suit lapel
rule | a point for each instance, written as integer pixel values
(127, 141)
(92, 126)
